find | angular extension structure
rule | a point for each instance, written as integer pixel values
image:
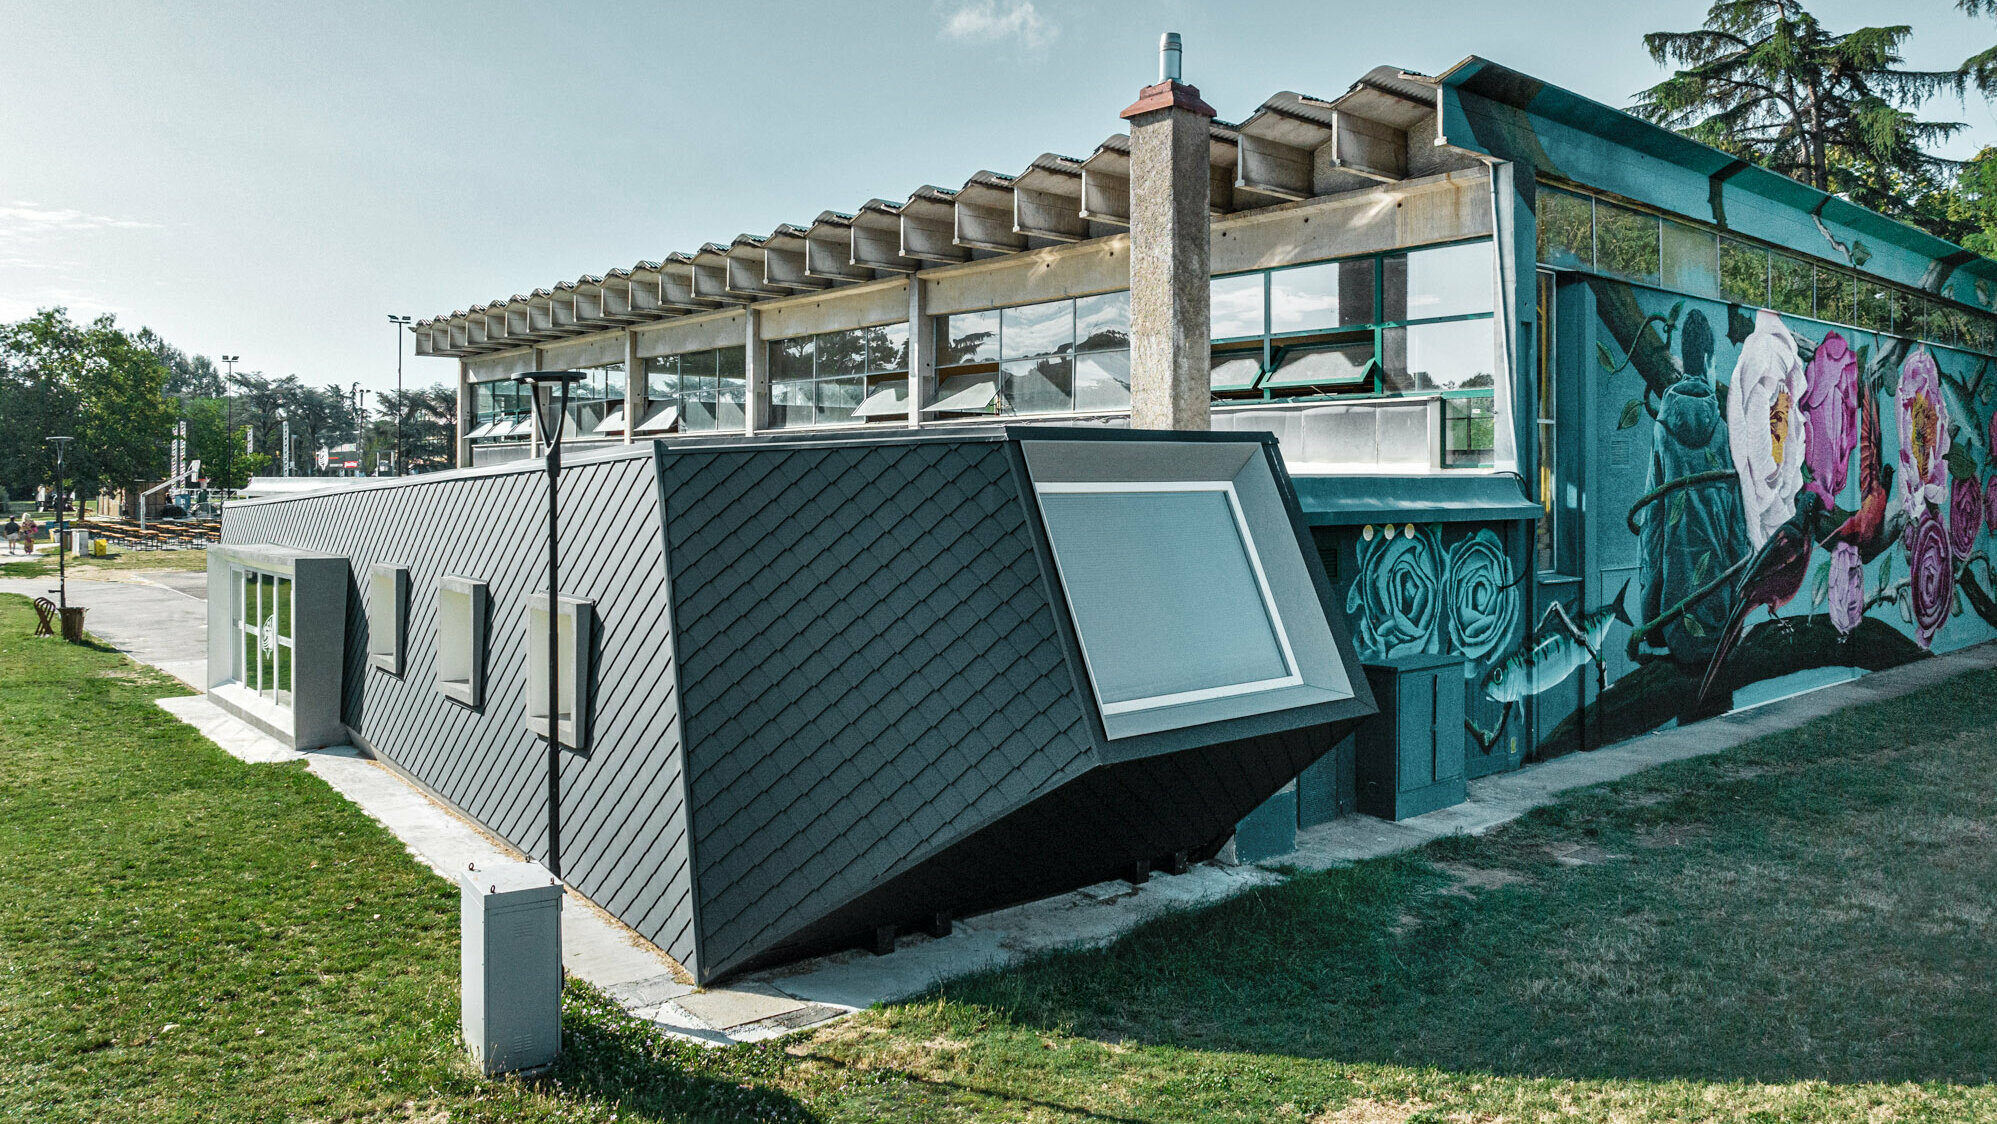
(820, 690)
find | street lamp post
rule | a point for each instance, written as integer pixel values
(401, 407)
(548, 419)
(61, 534)
(360, 405)
(228, 423)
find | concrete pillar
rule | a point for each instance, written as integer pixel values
(634, 384)
(755, 373)
(921, 352)
(1170, 224)
(463, 447)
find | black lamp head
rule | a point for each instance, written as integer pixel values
(536, 382)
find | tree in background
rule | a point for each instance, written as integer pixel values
(90, 381)
(1762, 79)
(429, 418)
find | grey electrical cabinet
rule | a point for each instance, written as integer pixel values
(510, 966)
(1410, 754)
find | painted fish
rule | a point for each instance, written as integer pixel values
(1555, 656)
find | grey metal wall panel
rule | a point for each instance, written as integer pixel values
(871, 668)
(625, 842)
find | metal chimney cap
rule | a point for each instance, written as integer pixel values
(1169, 50)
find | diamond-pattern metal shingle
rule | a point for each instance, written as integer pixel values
(893, 590)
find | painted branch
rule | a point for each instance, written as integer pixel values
(1656, 693)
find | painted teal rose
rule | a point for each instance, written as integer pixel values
(1396, 600)
(1481, 599)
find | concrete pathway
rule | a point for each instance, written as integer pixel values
(151, 622)
(166, 628)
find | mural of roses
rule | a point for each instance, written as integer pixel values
(1923, 414)
(1481, 600)
(1931, 575)
(1396, 599)
(1765, 427)
(1990, 503)
(1966, 512)
(1847, 588)
(1830, 416)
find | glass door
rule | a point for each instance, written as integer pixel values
(260, 604)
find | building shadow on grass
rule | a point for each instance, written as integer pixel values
(626, 1062)
(1767, 923)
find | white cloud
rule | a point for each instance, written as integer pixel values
(26, 220)
(987, 21)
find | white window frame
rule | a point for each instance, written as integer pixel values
(248, 582)
(462, 639)
(1226, 488)
(575, 688)
(390, 621)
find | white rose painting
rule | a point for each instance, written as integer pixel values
(1765, 426)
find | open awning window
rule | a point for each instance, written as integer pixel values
(890, 398)
(1349, 365)
(1236, 371)
(965, 394)
(661, 419)
(613, 422)
(487, 429)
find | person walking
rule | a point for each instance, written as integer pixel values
(29, 528)
(12, 531)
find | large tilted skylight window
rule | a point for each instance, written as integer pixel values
(1185, 580)
(1167, 592)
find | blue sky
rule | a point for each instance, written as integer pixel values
(274, 179)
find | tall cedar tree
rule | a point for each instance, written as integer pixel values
(1763, 80)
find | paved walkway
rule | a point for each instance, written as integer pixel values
(166, 628)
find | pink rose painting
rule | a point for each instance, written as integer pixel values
(1847, 588)
(1966, 512)
(1765, 426)
(1990, 500)
(1830, 416)
(1931, 576)
(1923, 413)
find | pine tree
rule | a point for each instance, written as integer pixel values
(1762, 79)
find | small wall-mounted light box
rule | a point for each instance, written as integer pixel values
(510, 966)
(576, 619)
(461, 617)
(388, 615)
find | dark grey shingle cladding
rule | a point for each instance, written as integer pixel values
(839, 683)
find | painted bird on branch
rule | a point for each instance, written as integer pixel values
(1773, 578)
(1868, 527)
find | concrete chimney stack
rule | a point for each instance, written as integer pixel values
(1170, 223)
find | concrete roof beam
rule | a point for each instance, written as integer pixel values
(828, 249)
(784, 261)
(676, 285)
(1047, 200)
(982, 216)
(877, 244)
(1366, 147)
(929, 227)
(1106, 182)
(743, 267)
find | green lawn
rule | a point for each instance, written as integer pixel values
(110, 566)
(1800, 929)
